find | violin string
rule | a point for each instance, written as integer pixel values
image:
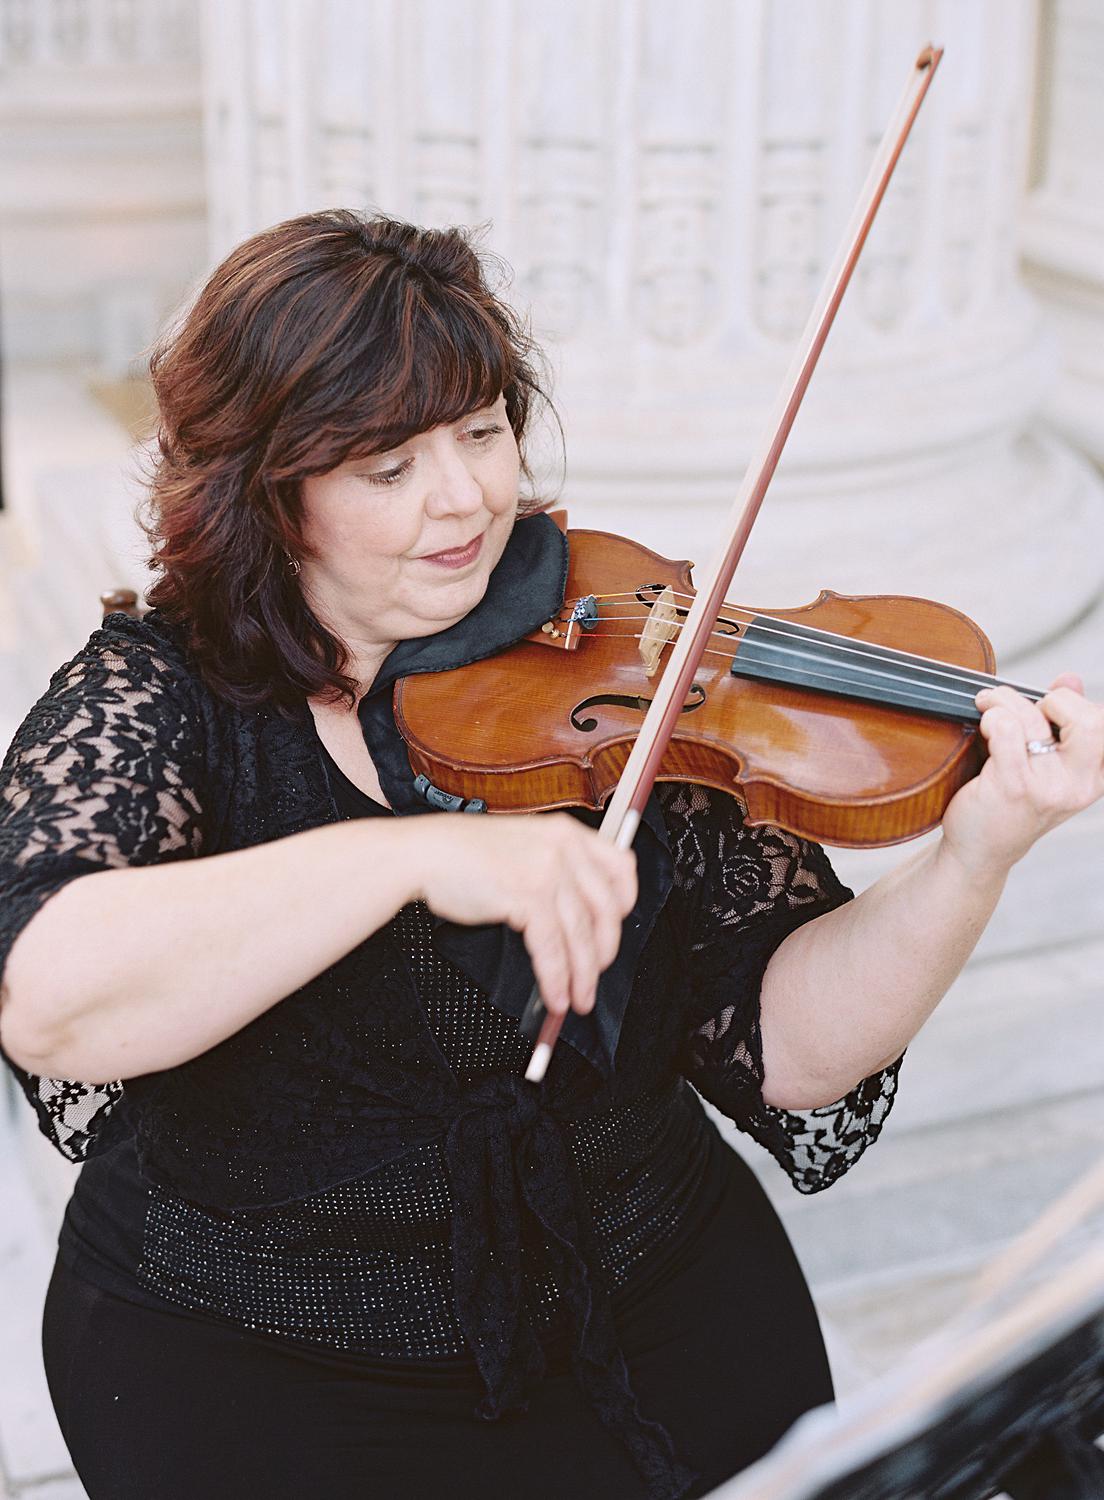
(741, 614)
(966, 693)
(830, 644)
(843, 645)
(838, 684)
(960, 677)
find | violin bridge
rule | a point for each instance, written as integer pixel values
(662, 626)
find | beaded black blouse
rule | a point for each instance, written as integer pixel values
(128, 760)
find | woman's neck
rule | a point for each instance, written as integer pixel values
(364, 664)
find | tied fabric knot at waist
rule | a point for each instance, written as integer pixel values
(508, 1156)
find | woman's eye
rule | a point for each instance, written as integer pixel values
(388, 476)
(485, 433)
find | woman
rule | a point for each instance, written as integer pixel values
(324, 1227)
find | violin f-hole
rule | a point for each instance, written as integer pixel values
(694, 699)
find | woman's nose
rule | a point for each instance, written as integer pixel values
(455, 490)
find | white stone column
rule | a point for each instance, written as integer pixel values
(1063, 236)
(669, 183)
(101, 175)
(102, 228)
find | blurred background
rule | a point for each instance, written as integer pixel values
(665, 186)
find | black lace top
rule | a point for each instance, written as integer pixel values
(128, 760)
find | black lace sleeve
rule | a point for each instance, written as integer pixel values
(103, 772)
(745, 889)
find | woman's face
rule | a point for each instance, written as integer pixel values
(403, 543)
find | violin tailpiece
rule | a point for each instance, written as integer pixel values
(555, 633)
(565, 629)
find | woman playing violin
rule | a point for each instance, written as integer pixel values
(326, 1239)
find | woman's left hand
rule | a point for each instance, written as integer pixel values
(1019, 795)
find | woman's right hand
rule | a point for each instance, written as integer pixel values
(547, 876)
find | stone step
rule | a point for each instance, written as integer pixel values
(1079, 649)
(80, 508)
(65, 1488)
(40, 403)
(21, 656)
(949, 1195)
(1010, 1033)
(52, 601)
(893, 1249)
(34, 1460)
(68, 532)
(50, 1489)
(1013, 1054)
(1001, 1107)
(1054, 894)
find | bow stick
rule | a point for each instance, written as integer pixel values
(626, 806)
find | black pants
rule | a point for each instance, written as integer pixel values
(159, 1405)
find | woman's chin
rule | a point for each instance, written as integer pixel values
(446, 603)
(445, 595)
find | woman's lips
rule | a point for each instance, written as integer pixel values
(459, 557)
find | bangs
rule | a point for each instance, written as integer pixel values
(437, 357)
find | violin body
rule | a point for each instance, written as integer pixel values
(536, 728)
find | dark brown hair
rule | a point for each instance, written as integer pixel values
(330, 336)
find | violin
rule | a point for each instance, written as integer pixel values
(850, 720)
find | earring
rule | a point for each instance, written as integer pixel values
(294, 565)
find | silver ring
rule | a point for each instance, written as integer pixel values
(1042, 747)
